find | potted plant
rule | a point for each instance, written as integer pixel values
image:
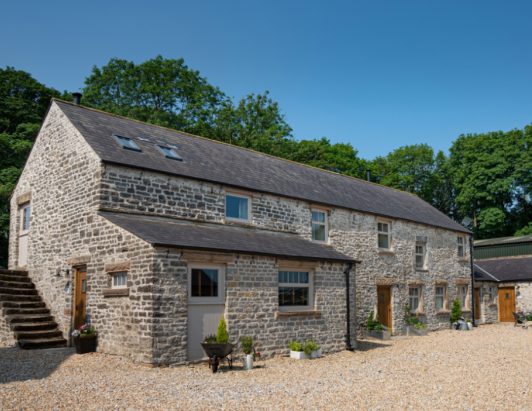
(217, 347)
(374, 329)
(85, 338)
(413, 327)
(310, 349)
(456, 314)
(250, 354)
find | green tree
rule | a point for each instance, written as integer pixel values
(23, 104)
(222, 336)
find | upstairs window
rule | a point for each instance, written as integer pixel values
(25, 214)
(237, 208)
(169, 153)
(420, 256)
(126, 142)
(319, 226)
(120, 280)
(440, 298)
(294, 290)
(383, 241)
(461, 249)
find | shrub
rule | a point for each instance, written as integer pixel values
(222, 336)
(294, 346)
(456, 312)
(372, 324)
(247, 344)
(210, 338)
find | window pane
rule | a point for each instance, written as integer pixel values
(292, 277)
(204, 283)
(26, 222)
(439, 303)
(283, 276)
(383, 227)
(383, 241)
(439, 290)
(236, 207)
(318, 217)
(303, 278)
(318, 232)
(413, 291)
(82, 286)
(419, 261)
(460, 240)
(115, 280)
(414, 303)
(460, 251)
(419, 249)
(293, 296)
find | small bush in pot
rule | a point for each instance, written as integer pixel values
(85, 338)
(456, 312)
(222, 336)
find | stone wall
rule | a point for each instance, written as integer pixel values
(525, 292)
(489, 310)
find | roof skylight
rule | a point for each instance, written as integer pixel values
(169, 153)
(126, 142)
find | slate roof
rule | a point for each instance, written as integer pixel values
(503, 241)
(504, 269)
(165, 233)
(215, 162)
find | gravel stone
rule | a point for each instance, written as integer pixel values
(484, 369)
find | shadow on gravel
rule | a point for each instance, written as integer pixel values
(366, 345)
(25, 365)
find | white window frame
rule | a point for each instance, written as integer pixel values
(23, 209)
(221, 284)
(417, 310)
(134, 146)
(462, 295)
(388, 234)
(172, 156)
(310, 286)
(422, 254)
(325, 224)
(439, 295)
(461, 245)
(239, 220)
(122, 275)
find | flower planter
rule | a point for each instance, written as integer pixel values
(413, 332)
(85, 345)
(316, 354)
(378, 335)
(300, 355)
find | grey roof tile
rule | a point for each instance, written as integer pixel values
(167, 233)
(504, 269)
(211, 161)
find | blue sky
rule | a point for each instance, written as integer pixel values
(378, 74)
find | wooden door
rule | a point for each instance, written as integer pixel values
(506, 304)
(385, 305)
(79, 296)
(477, 304)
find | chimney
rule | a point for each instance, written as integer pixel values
(77, 98)
(368, 175)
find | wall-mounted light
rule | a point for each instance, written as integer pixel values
(58, 274)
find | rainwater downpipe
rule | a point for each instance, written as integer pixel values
(472, 281)
(348, 335)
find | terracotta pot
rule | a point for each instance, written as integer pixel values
(85, 345)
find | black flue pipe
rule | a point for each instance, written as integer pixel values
(77, 98)
(368, 175)
(347, 302)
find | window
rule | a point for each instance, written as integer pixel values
(295, 291)
(237, 208)
(491, 293)
(462, 295)
(440, 298)
(420, 256)
(461, 249)
(319, 226)
(414, 295)
(25, 216)
(206, 284)
(126, 142)
(383, 235)
(169, 153)
(120, 280)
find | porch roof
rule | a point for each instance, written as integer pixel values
(504, 269)
(195, 236)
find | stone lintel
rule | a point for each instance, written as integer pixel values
(24, 198)
(117, 267)
(441, 283)
(297, 264)
(115, 292)
(421, 239)
(476, 286)
(502, 285)
(214, 258)
(462, 281)
(385, 281)
(297, 314)
(79, 260)
(415, 283)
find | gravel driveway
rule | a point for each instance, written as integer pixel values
(489, 368)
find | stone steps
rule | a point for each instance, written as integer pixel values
(26, 314)
(42, 343)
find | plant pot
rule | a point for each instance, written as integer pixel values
(470, 326)
(316, 354)
(298, 355)
(378, 335)
(85, 345)
(415, 332)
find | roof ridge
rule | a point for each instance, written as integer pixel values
(231, 145)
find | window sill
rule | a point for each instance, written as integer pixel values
(416, 314)
(423, 270)
(298, 314)
(243, 223)
(385, 252)
(466, 310)
(463, 260)
(116, 292)
(443, 312)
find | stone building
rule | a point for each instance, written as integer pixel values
(153, 234)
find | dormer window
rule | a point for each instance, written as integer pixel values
(169, 153)
(126, 142)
